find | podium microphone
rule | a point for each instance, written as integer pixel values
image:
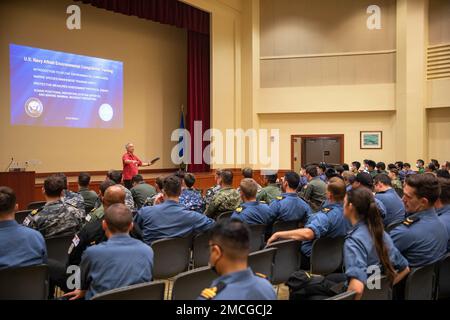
(9, 165)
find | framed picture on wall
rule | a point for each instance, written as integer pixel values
(371, 140)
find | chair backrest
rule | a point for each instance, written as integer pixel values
(21, 215)
(443, 290)
(189, 285)
(200, 250)
(36, 205)
(172, 257)
(27, 283)
(225, 215)
(421, 283)
(57, 248)
(327, 255)
(349, 295)
(145, 291)
(383, 292)
(257, 233)
(262, 262)
(285, 226)
(287, 260)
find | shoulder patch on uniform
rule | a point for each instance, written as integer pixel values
(261, 275)
(34, 212)
(211, 293)
(94, 209)
(239, 210)
(279, 198)
(88, 218)
(262, 201)
(76, 240)
(93, 243)
(410, 221)
(326, 210)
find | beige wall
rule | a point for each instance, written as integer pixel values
(439, 133)
(154, 57)
(439, 22)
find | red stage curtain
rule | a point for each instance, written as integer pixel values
(197, 24)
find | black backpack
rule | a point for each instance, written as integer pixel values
(303, 285)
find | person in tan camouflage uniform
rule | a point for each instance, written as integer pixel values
(226, 199)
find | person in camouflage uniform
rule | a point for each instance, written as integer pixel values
(211, 192)
(247, 173)
(150, 201)
(271, 191)
(57, 218)
(141, 191)
(191, 198)
(226, 199)
(116, 176)
(69, 197)
(97, 214)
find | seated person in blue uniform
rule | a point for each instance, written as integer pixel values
(329, 222)
(170, 219)
(19, 246)
(289, 207)
(443, 206)
(191, 198)
(422, 238)
(395, 209)
(119, 262)
(368, 245)
(365, 180)
(229, 248)
(252, 211)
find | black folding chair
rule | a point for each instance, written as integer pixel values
(171, 257)
(257, 233)
(443, 290)
(145, 291)
(327, 255)
(225, 215)
(36, 205)
(57, 248)
(421, 283)
(383, 292)
(200, 250)
(285, 226)
(21, 215)
(189, 285)
(287, 260)
(349, 295)
(261, 262)
(27, 283)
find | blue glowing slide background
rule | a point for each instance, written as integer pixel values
(56, 110)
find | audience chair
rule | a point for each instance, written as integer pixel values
(443, 288)
(421, 283)
(261, 262)
(257, 233)
(287, 260)
(382, 293)
(189, 285)
(21, 215)
(57, 248)
(327, 255)
(27, 283)
(145, 291)
(225, 215)
(36, 205)
(349, 295)
(171, 257)
(200, 250)
(279, 226)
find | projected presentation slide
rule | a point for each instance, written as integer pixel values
(57, 89)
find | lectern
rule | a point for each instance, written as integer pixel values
(23, 185)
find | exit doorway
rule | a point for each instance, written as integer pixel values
(307, 149)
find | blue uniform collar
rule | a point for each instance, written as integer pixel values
(333, 205)
(250, 204)
(119, 238)
(292, 194)
(444, 209)
(234, 277)
(425, 213)
(8, 224)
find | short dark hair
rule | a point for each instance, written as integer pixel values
(272, 178)
(7, 200)
(233, 237)
(432, 166)
(312, 171)
(383, 179)
(105, 185)
(293, 179)
(346, 167)
(337, 188)
(436, 163)
(322, 166)
(421, 161)
(249, 188)
(391, 166)
(406, 164)
(84, 179)
(394, 171)
(160, 182)
(227, 177)
(118, 218)
(445, 191)
(137, 179)
(340, 169)
(399, 164)
(330, 173)
(425, 186)
(371, 163)
(172, 186)
(365, 179)
(54, 185)
(247, 173)
(356, 164)
(64, 179)
(443, 174)
(381, 166)
(115, 176)
(189, 180)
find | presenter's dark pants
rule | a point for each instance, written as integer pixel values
(128, 184)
